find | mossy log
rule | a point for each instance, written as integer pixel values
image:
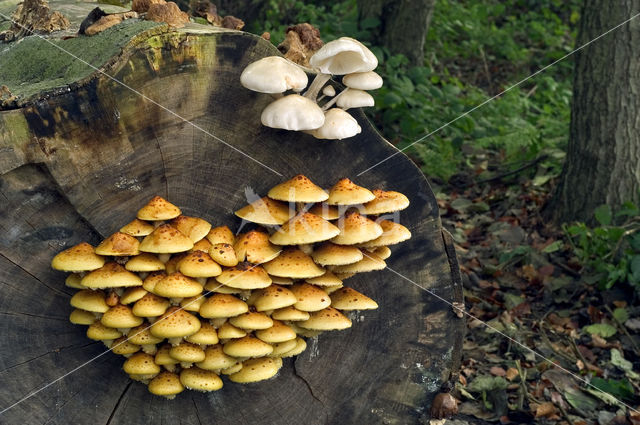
(81, 151)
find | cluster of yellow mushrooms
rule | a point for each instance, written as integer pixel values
(185, 302)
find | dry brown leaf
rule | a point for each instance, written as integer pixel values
(545, 410)
(511, 374)
(497, 371)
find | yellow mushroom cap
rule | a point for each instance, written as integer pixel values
(111, 275)
(273, 297)
(355, 229)
(279, 280)
(214, 286)
(99, 332)
(78, 258)
(133, 294)
(141, 335)
(192, 303)
(266, 211)
(152, 280)
(175, 323)
(163, 358)
(199, 264)
(298, 189)
(392, 233)
(82, 317)
(228, 331)
(202, 245)
(223, 254)
(120, 316)
(122, 346)
(294, 263)
(346, 192)
(158, 209)
(254, 370)
(177, 285)
(304, 228)
(145, 262)
(222, 305)
(171, 266)
(310, 297)
(383, 252)
(344, 276)
(233, 369)
(370, 262)
(247, 346)
(254, 247)
(194, 228)
(118, 244)
(137, 227)
(326, 320)
(207, 335)
(251, 320)
(141, 364)
(385, 202)
(279, 332)
(328, 212)
(350, 299)
(166, 239)
(327, 279)
(221, 234)
(330, 254)
(290, 314)
(279, 348)
(74, 281)
(245, 276)
(216, 359)
(86, 299)
(331, 289)
(187, 352)
(166, 384)
(301, 345)
(151, 305)
(198, 379)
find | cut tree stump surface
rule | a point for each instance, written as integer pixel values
(78, 159)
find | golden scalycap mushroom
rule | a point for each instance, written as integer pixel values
(327, 279)
(111, 275)
(278, 280)
(214, 286)
(278, 332)
(254, 370)
(152, 280)
(74, 281)
(216, 359)
(78, 258)
(293, 263)
(223, 254)
(330, 254)
(120, 316)
(328, 212)
(331, 289)
(254, 247)
(383, 252)
(301, 345)
(198, 379)
(298, 189)
(266, 211)
(166, 384)
(289, 314)
(141, 335)
(123, 347)
(326, 320)
(355, 229)
(99, 332)
(171, 266)
(145, 262)
(202, 245)
(393, 233)
(177, 285)
(162, 357)
(193, 303)
(369, 263)
(118, 244)
(233, 369)
(166, 239)
(187, 352)
(158, 209)
(137, 227)
(247, 346)
(310, 297)
(141, 364)
(133, 294)
(175, 323)
(82, 317)
(194, 228)
(245, 276)
(304, 228)
(385, 202)
(199, 264)
(221, 234)
(251, 320)
(222, 305)
(207, 335)
(151, 305)
(86, 299)
(273, 297)
(228, 331)
(346, 192)
(279, 348)
(349, 299)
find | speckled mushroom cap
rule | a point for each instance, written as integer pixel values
(137, 227)
(330, 254)
(266, 211)
(214, 286)
(141, 335)
(349, 299)
(81, 317)
(278, 332)
(383, 252)
(144, 262)
(202, 245)
(304, 228)
(123, 347)
(166, 239)
(247, 346)
(175, 323)
(355, 229)
(152, 280)
(228, 331)
(111, 275)
(301, 345)
(74, 281)
(177, 285)
(118, 244)
(254, 370)
(207, 335)
(198, 379)
(158, 209)
(273, 297)
(393, 233)
(251, 320)
(369, 262)
(245, 276)
(194, 228)
(86, 299)
(166, 384)
(309, 297)
(162, 357)
(385, 202)
(327, 279)
(141, 364)
(199, 264)
(328, 212)
(221, 234)
(78, 258)
(294, 263)
(99, 332)
(254, 247)
(223, 254)
(298, 189)
(171, 265)
(193, 303)
(346, 192)
(289, 314)
(279, 280)
(279, 348)
(216, 359)
(326, 320)
(222, 305)
(120, 316)
(151, 305)
(187, 352)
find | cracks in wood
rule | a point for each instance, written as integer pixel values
(59, 292)
(117, 405)
(53, 351)
(73, 396)
(195, 406)
(302, 378)
(20, 313)
(164, 168)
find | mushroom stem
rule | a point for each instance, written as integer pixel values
(330, 103)
(316, 86)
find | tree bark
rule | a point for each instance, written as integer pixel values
(603, 159)
(403, 25)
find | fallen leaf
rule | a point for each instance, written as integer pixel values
(599, 342)
(633, 324)
(545, 409)
(580, 401)
(601, 329)
(511, 373)
(617, 359)
(621, 314)
(497, 371)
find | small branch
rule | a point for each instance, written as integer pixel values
(512, 172)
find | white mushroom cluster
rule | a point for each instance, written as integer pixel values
(324, 116)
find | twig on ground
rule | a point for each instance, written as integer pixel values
(512, 172)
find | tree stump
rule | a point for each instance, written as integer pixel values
(80, 153)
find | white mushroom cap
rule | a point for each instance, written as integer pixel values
(338, 124)
(293, 112)
(354, 98)
(273, 74)
(329, 91)
(363, 80)
(343, 56)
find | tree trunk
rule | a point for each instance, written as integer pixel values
(603, 159)
(403, 25)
